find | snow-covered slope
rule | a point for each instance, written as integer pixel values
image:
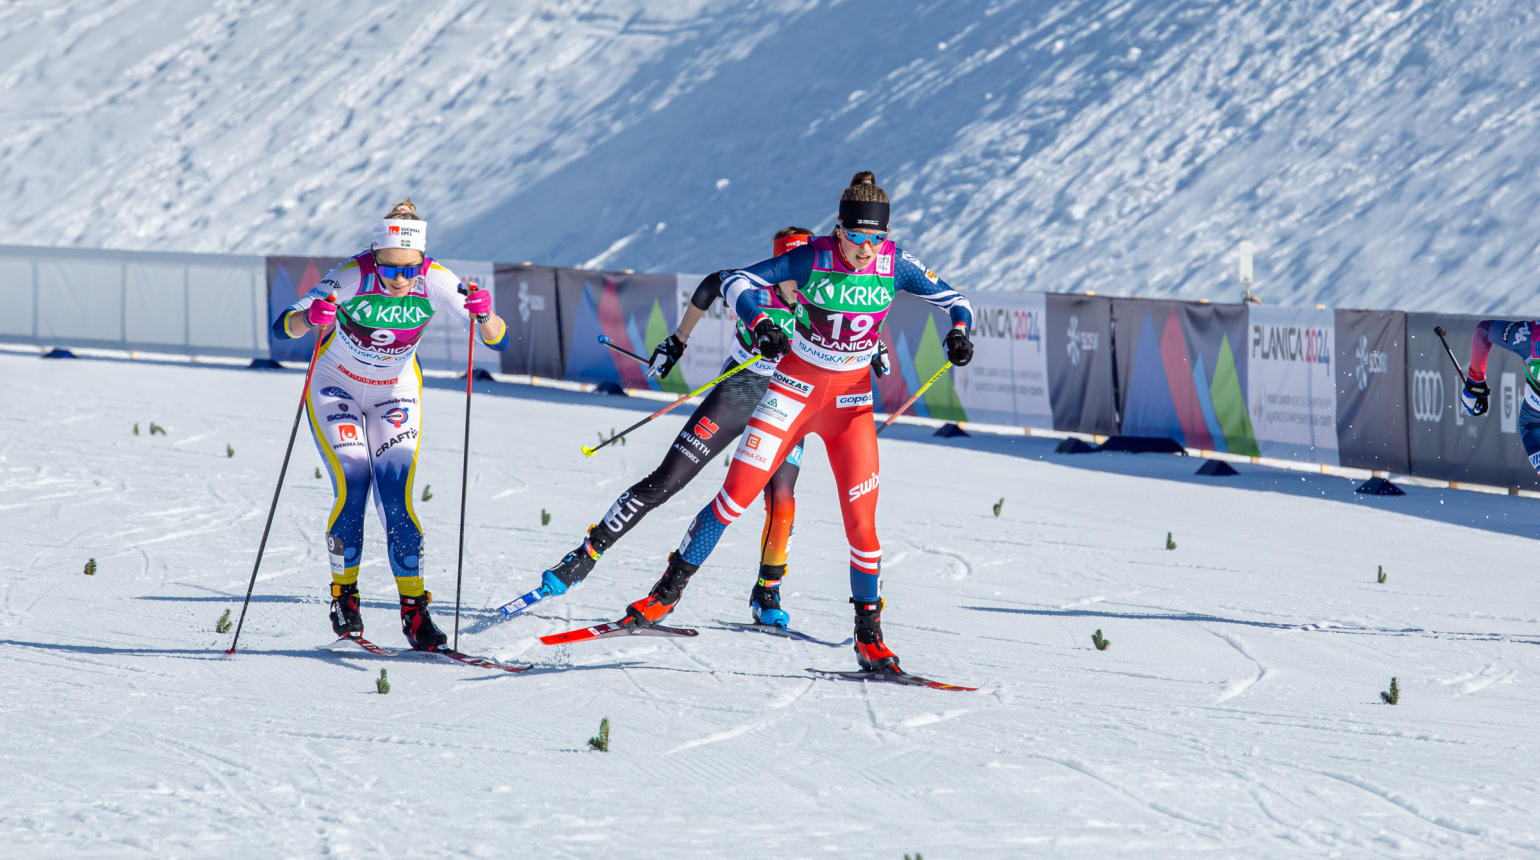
(1378, 152)
(1234, 714)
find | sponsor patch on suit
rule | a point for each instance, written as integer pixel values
(792, 383)
(758, 449)
(846, 401)
(778, 410)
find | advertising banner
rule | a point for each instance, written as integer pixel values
(1447, 444)
(444, 340)
(913, 331)
(289, 278)
(1371, 390)
(1182, 373)
(1007, 380)
(711, 341)
(635, 311)
(1291, 385)
(526, 300)
(1079, 348)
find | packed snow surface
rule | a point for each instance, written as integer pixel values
(1235, 713)
(1379, 153)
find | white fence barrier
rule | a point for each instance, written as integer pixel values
(193, 304)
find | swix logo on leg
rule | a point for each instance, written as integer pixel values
(867, 486)
(706, 428)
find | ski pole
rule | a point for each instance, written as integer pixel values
(589, 452)
(315, 353)
(910, 402)
(605, 339)
(1439, 330)
(465, 465)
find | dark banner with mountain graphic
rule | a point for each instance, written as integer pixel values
(1371, 390)
(1181, 373)
(288, 279)
(1448, 444)
(635, 311)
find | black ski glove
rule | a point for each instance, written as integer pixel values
(665, 355)
(880, 364)
(769, 340)
(1476, 397)
(959, 350)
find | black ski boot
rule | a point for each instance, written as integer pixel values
(870, 650)
(575, 566)
(345, 618)
(664, 595)
(418, 625)
(765, 598)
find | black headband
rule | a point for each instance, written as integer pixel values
(862, 216)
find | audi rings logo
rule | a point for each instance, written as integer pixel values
(1427, 395)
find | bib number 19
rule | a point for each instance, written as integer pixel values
(860, 324)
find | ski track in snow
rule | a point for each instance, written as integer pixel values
(1236, 711)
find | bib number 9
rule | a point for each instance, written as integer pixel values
(382, 337)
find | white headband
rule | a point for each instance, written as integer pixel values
(399, 233)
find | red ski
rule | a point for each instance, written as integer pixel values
(611, 629)
(899, 677)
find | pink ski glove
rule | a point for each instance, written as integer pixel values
(321, 313)
(479, 304)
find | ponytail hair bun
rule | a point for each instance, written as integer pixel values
(865, 177)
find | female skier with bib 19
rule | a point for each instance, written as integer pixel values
(844, 286)
(365, 402)
(715, 424)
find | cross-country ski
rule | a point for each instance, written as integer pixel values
(783, 632)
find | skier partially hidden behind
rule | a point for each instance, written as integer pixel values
(1519, 337)
(715, 424)
(843, 287)
(365, 402)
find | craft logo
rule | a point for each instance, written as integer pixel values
(706, 428)
(867, 486)
(846, 401)
(758, 449)
(792, 382)
(392, 441)
(397, 417)
(1427, 395)
(1080, 341)
(348, 432)
(1291, 343)
(1369, 362)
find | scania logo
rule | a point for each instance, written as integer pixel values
(1427, 395)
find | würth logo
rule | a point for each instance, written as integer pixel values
(706, 428)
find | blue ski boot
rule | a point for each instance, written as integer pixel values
(765, 599)
(573, 568)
